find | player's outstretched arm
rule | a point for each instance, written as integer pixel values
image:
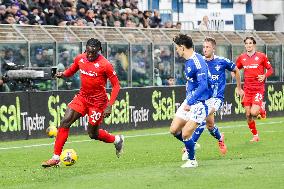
(115, 89)
(72, 69)
(114, 92)
(269, 70)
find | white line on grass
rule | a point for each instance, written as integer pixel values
(265, 123)
(130, 136)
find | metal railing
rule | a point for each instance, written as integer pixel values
(141, 57)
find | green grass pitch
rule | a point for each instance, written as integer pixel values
(152, 159)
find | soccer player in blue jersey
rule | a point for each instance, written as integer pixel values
(217, 66)
(194, 109)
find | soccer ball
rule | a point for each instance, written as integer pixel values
(51, 131)
(68, 157)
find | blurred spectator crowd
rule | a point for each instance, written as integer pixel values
(113, 13)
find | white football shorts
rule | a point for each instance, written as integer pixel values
(197, 113)
(215, 103)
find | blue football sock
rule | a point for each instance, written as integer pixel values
(198, 131)
(215, 133)
(189, 144)
(179, 136)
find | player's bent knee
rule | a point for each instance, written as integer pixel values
(254, 113)
(248, 115)
(173, 130)
(94, 136)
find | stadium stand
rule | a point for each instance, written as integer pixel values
(113, 13)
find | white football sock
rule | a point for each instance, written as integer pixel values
(56, 157)
(117, 139)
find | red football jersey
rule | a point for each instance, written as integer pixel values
(253, 66)
(93, 77)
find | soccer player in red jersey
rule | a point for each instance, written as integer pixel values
(92, 99)
(256, 69)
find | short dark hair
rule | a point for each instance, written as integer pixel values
(251, 38)
(211, 40)
(94, 43)
(183, 39)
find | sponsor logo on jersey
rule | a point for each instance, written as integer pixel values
(189, 79)
(97, 65)
(215, 77)
(82, 60)
(188, 69)
(90, 73)
(217, 67)
(251, 66)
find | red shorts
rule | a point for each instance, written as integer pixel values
(251, 98)
(95, 113)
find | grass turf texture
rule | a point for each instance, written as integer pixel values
(153, 161)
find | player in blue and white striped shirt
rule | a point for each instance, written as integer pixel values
(194, 109)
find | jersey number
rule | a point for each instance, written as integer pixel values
(95, 116)
(198, 112)
(258, 97)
